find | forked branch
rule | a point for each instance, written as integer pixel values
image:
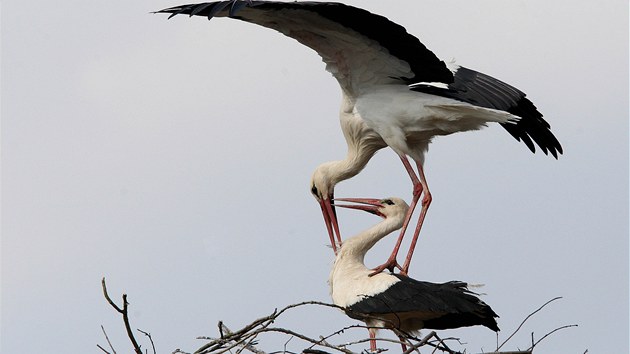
(125, 315)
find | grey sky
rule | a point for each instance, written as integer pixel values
(173, 157)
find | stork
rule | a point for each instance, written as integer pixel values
(396, 301)
(395, 92)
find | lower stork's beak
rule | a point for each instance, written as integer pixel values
(366, 204)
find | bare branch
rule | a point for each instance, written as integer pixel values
(323, 339)
(108, 342)
(109, 300)
(150, 339)
(425, 341)
(179, 351)
(525, 320)
(101, 348)
(548, 334)
(125, 315)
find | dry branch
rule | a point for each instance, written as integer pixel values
(125, 314)
(150, 339)
(525, 320)
(108, 342)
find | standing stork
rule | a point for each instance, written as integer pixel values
(396, 93)
(396, 301)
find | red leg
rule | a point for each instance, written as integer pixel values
(426, 201)
(372, 333)
(402, 343)
(391, 262)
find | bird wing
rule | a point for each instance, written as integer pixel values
(439, 306)
(362, 49)
(359, 48)
(483, 90)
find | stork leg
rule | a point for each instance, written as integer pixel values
(402, 343)
(426, 201)
(372, 333)
(419, 186)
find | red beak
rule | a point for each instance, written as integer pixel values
(366, 204)
(330, 219)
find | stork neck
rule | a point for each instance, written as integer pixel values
(355, 162)
(355, 248)
(362, 142)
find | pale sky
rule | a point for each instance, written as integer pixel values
(174, 158)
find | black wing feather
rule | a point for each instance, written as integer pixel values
(425, 65)
(447, 305)
(485, 91)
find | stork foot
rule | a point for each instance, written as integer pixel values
(390, 265)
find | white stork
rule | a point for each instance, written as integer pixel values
(396, 93)
(396, 301)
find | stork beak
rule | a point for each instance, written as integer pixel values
(366, 204)
(330, 219)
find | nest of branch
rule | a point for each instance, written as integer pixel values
(248, 337)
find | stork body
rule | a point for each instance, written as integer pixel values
(396, 301)
(395, 92)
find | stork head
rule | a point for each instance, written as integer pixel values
(323, 181)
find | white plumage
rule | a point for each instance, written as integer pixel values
(395, 92)
(349, 279)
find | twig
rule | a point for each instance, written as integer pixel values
(548, 334)
(150, 339)
(249, 346)
(525, 320)
(304, 338)
(323, 339)
(236, 336)
(287, 343)
(101, 348)
(425, 341)
(125, 316)
(108, 342)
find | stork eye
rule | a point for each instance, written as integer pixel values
(314, 191)
(387, 201)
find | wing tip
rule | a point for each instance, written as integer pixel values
(208, 9)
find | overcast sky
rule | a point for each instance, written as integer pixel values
(174, 158)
